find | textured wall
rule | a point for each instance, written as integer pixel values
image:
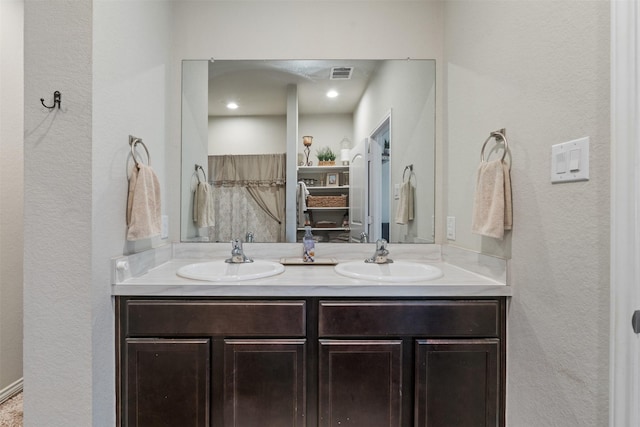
(131, 45)
(57, 215)
(540, 69)
(11, 190)
(109, 60)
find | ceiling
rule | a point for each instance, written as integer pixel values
(260, 87)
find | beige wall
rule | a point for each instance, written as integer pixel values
(11, 191)
(541, 70)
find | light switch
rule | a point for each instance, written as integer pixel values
(574, 160)
(570, 161)
(561, 162)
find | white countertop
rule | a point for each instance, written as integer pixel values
(308, 280)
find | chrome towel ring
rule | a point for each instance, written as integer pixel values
(133, 141)
(498, 135)
(407, 168)
(203, 173)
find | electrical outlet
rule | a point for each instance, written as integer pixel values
(451, 228)
(164, 232)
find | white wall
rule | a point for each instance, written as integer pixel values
(131, 57)
(247, 135)
(109, 61)
(11, 190)
(58, 215)
(542, 72)
(327, 130)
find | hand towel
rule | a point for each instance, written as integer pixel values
(203, 209)
(405, 209)
(492, 212)
(301, 200)
(143, 204)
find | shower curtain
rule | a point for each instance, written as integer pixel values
(249, 194)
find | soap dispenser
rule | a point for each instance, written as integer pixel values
(309, 251)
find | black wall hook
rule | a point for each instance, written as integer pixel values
(57, 99)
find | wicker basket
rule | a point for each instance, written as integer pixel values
(327, 201)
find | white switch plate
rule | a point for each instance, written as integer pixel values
(570, 161)
(451, 228)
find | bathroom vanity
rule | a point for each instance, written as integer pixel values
(310, 348)
(312, 361)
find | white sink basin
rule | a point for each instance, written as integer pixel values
(220, 271)
(398, 271)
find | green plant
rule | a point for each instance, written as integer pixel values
(325, 154)
(321, 154)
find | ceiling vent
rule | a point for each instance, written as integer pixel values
(341, 73)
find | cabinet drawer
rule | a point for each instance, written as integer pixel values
(215, 318)
(410, 318)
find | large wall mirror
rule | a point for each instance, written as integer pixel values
(253, 137)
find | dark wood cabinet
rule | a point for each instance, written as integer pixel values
(311, 362)
(457, 382)
(360, 383)
(167, 382)
(208, 362)
(264, 383)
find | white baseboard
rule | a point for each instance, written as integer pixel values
(10, 391)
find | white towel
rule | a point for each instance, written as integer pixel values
(405, 209)
(143, 204)
(301, 199)
(203, 209)
(492, 211)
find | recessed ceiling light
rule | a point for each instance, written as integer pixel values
(232, 106)
(332, 94)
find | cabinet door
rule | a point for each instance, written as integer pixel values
(457, 383)
(264, 383)
(360, 383)
(166, 382)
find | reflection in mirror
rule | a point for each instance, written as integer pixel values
(345, 146)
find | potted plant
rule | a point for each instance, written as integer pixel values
(326, 157)
(331, 157)
(320, 154)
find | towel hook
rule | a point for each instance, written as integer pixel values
(57, 100)
(203, 173)
(497, 135)
(133, 141)
(410, 168)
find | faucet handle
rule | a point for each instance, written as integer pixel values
(381, 245)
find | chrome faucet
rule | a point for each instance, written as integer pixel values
(381, 254)
(249, 237)
(364, 237)
(237, 254)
